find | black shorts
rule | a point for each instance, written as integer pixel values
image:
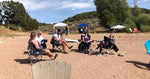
(57, 43)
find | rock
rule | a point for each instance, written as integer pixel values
(121, 55)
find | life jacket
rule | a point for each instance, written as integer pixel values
(31, 47)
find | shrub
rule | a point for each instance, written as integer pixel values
(145, 28)
(13, 27)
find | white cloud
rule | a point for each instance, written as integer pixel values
(139, 2)
(74, 5)
(33, 5)
(145, 0)
(55, 4)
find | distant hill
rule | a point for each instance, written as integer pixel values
(146, 11)
(93, 14)
(81, 16)
(10, 33)
(4, 30)
(91, 19)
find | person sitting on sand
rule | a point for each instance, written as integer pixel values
(104, 44)
(41, 40)
(85, 43)
(86, 38)
(58, 40)
(112, 39)
(39, 37)
(38, 47)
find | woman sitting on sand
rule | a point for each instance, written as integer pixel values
(38, 47)
(106, 43)
(59, 41)
(86, 38)
(85, 42)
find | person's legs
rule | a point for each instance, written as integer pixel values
(64, 42)
(49, 54)
(100, 45)
(63, 46)
(89, 44)
(100, 49)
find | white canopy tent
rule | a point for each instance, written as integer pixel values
(60, 25)
(118, 27)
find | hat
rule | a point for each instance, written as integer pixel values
(38, 32)
(85, 32)
(58, 30)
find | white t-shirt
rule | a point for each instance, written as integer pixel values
(39, 39)
(57, 36)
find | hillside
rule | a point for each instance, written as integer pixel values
(92, 22)
(93, 14)
(4, 30)
(81, 16)
(89, 18)
(7, 32)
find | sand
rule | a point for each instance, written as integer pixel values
(133, 64)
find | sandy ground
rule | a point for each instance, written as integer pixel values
(14, 63)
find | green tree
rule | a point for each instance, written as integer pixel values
(112, 12)
(136, 11)
(16, 14)
(124, 12)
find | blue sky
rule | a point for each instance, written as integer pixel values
(50, 11)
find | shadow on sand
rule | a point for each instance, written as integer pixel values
(25, 52)
(22, 61)
(75, 50)
(140, 65)
(88, 52)
(27, 61)
(54, 50)
(60, 51)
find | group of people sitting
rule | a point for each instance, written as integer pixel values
(39, 43)
(36, 42)
(107, 43)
